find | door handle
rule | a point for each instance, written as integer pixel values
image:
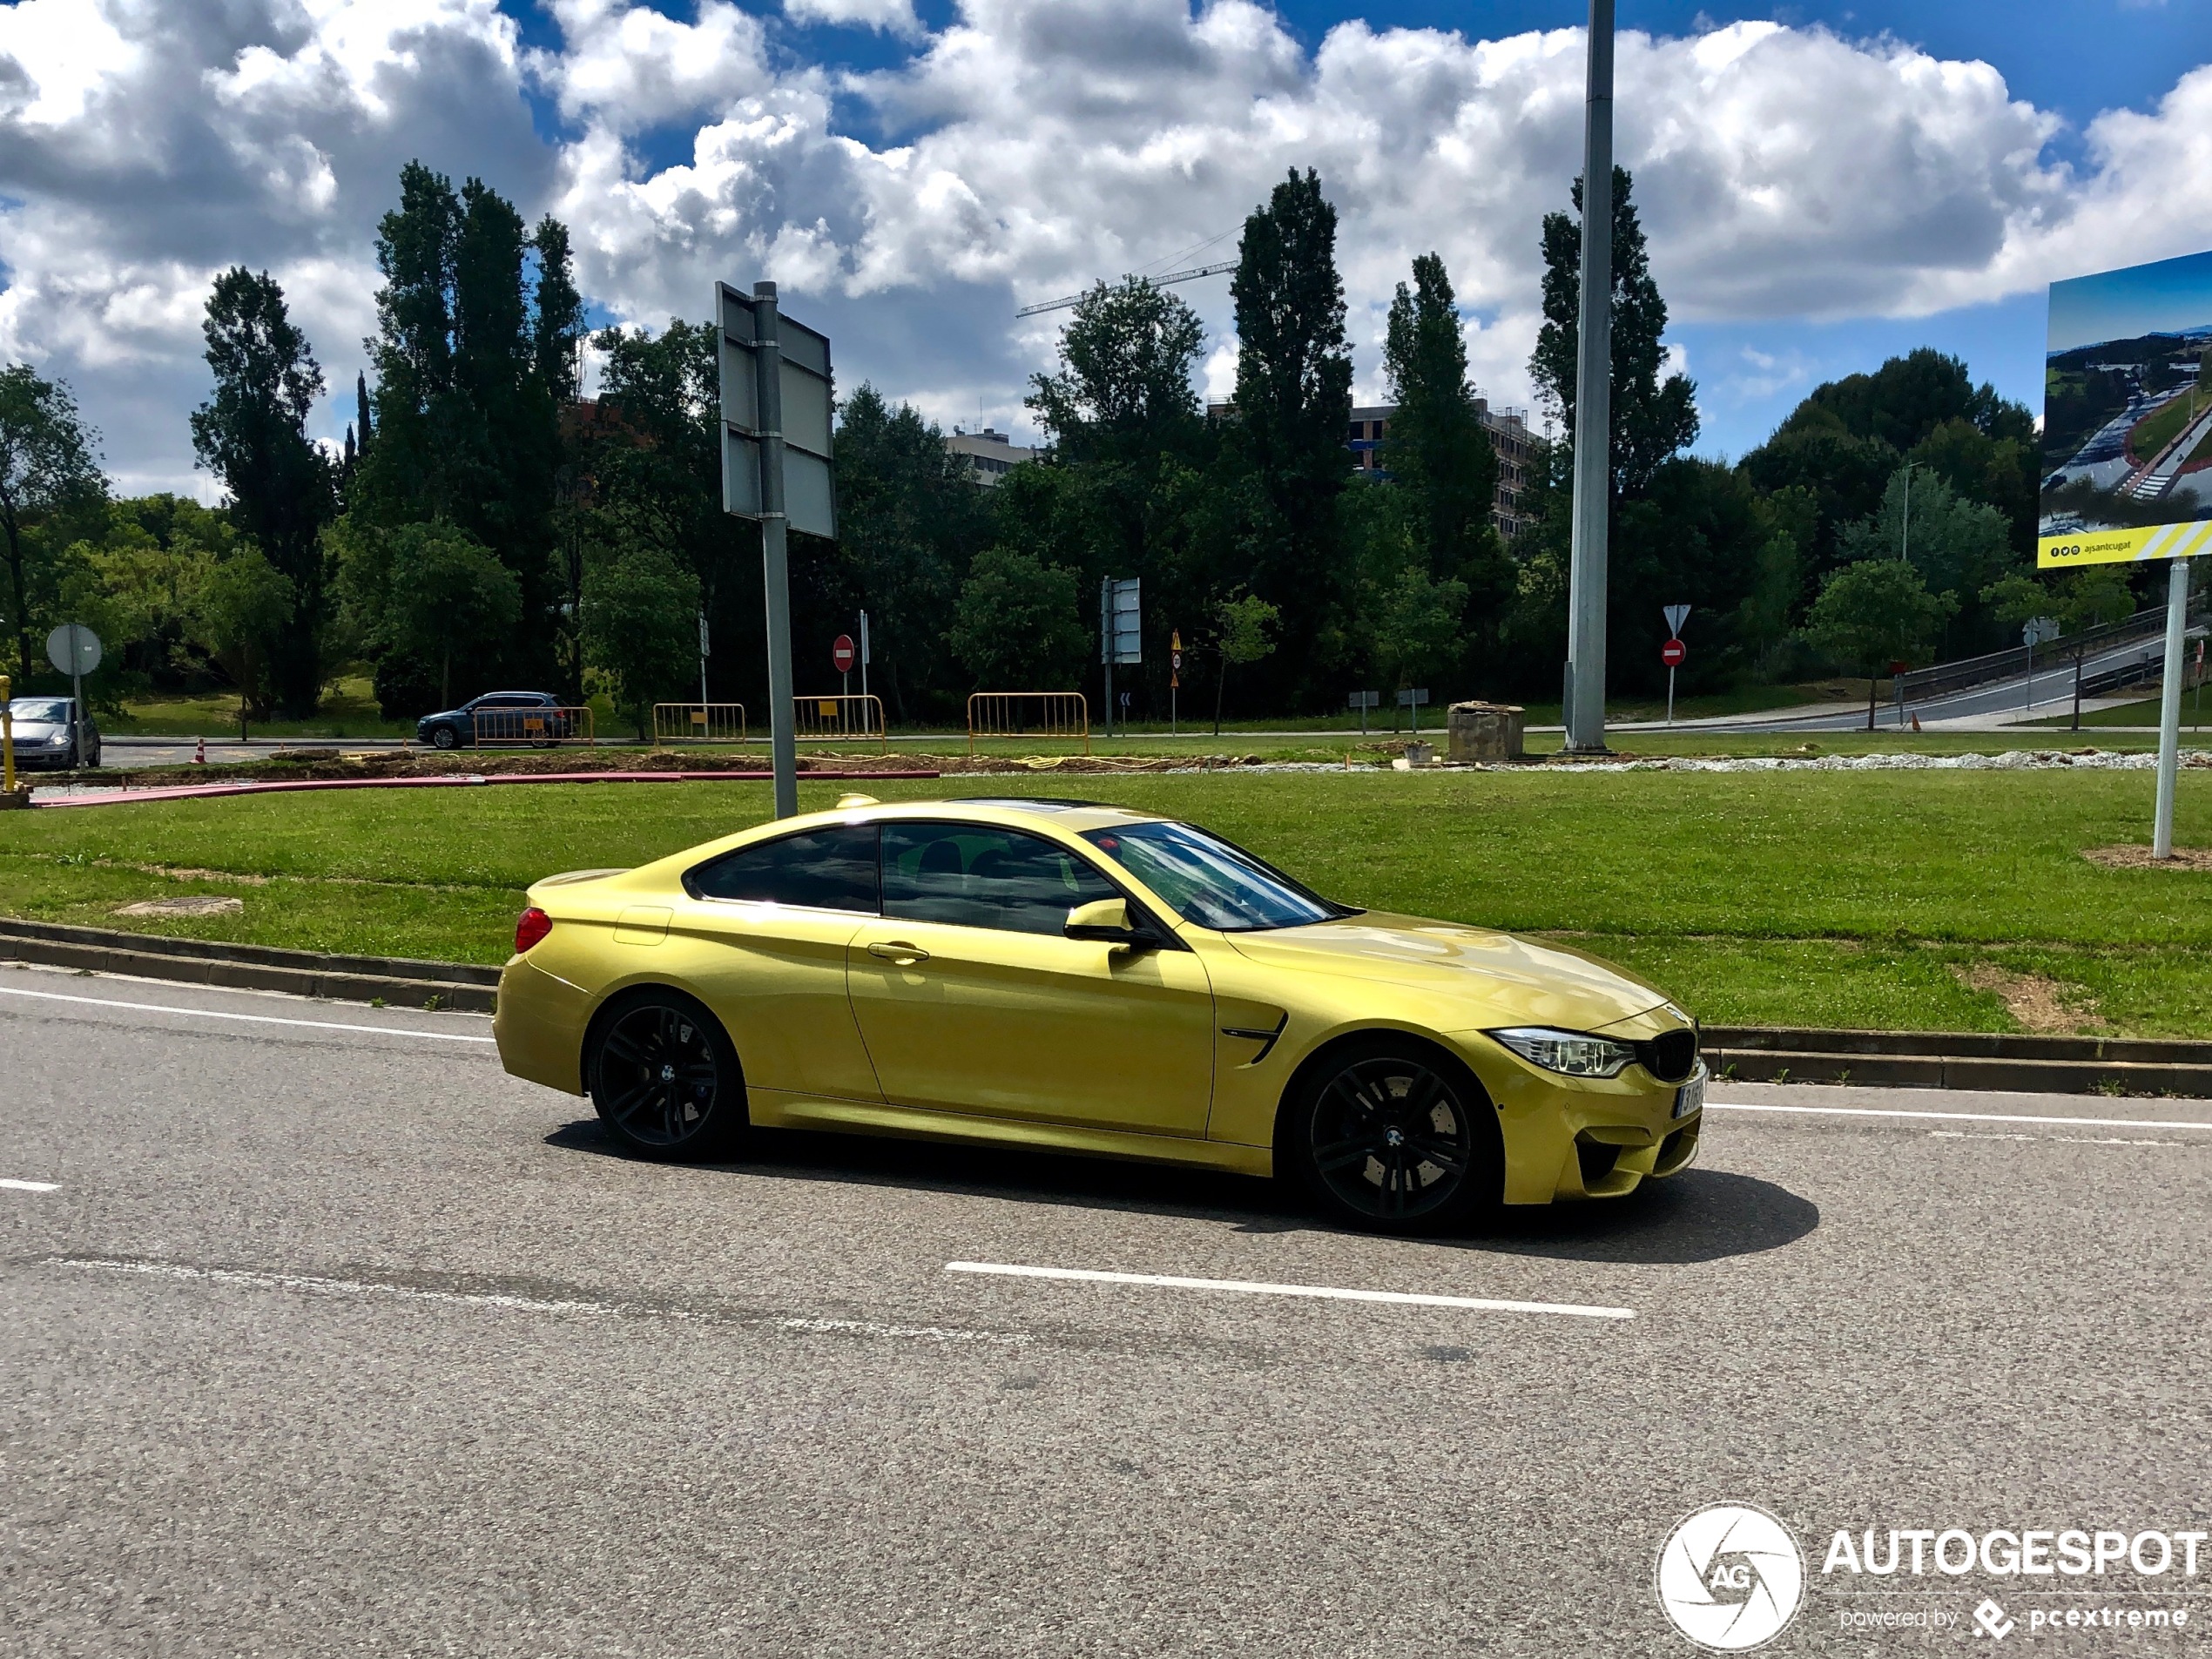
(904, 954)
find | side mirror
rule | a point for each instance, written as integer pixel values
(1106, 920)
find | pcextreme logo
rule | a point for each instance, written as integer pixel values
(1730, 1577)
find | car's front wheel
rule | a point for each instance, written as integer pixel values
(1391, 1135)
(445, 737)
(664, 1076)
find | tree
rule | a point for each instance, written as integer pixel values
(1417, 629)
(2075, 600)
(1293, 405)
(474, 358)
(49, 470)
(1017, 626)
(1874, 613)
(244, 607)
(1123, 391)
(910, 516)
(640, 628)
(430, 594)
(1960, 546)
(253, 434)
(1437, 448)
(1241, 628)
(1652, 419)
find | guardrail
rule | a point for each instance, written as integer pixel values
(698, 723)
(537, 728)
(1922, 684)
(1027, 714)
(839, 719)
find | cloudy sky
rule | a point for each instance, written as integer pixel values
(1823, 183)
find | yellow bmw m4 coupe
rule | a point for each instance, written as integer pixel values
(1087, 979)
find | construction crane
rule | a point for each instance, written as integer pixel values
(1194, 273)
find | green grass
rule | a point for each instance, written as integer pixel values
(2135, 714)
(1818, 899)
(2161, 426)
(348, 710)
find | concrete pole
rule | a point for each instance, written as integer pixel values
(768, 361)
(2170, 709)
(1593, 405)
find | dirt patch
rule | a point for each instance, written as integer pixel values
(2037, 1003)
(2139, 858)
(193, 904)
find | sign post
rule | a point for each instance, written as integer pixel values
(1121, 635)
(2123, 500)
(1175, 676)
(704, 698)
(776, 450)
(1592, 485)
(864, 653)
(1674, 651)
(1412, 698)
(1363, 701)
(74, 650)
(842, 657)
(7, 746)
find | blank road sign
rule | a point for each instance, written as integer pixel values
(806, 387)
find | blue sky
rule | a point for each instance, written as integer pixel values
(2072, 60)
(2165, 296)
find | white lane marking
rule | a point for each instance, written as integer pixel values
(315, 1284)
(1253, 1287)
(30, 1186)
(254, 1019)
(1960, 1118)
(2069, 1140)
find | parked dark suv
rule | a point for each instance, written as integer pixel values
(512, 717)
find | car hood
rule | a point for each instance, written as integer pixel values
(39, 728)
(1504, 978)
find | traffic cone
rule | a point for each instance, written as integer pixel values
(199, 753)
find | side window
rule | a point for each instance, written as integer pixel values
(974, 876)
(828, 869)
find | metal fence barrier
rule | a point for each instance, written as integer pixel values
(1027, 714)
(539, 728)
(839, 719)
(698, 723)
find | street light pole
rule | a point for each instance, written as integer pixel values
(1593, 405)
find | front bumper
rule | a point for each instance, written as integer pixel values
(1582, 1138)
(43, 759)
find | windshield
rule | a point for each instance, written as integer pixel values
(1210, 882)
(40, 711)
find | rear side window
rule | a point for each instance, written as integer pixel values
(827, 869)
(974, 876)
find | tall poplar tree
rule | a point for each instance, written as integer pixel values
(253, 434)
(1653, 419)
(1293, 410)
(1437, 447)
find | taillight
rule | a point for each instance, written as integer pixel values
(529, 928)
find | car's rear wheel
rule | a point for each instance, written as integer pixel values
(664, 1076)
(1391, 1135)
(444, 737)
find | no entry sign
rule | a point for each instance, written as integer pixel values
(843, 655)
(1673, 653)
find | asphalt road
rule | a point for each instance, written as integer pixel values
(340, 1341)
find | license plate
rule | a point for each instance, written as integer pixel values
(1690, 1097)
(533, 725)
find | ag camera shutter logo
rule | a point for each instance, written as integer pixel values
(1730, 1577)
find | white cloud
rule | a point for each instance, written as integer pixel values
(1030, 147)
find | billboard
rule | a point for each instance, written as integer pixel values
(2127, 416)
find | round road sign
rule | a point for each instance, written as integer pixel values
(1673, 653)
(73, 649)
(842, 654)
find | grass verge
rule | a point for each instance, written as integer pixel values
(1814, 899)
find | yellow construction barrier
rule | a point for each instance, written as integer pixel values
(839, 719)
(1027, 714)
(698, 723)
(536, 728)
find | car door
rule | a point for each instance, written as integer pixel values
(972, 999)
(762, 937)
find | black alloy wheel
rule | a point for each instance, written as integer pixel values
(1388, 1137)
(665, 1078)
(444, 737)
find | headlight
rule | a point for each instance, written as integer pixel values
(1574, 1054)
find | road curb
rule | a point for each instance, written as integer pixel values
(397, 981)
(1981, 1060)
